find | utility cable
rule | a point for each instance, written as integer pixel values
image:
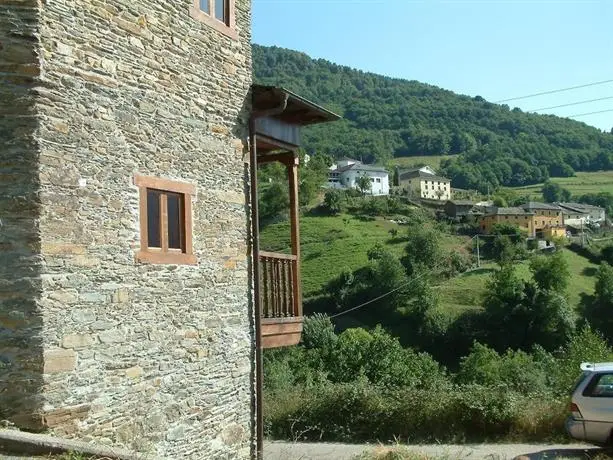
(554, 91)
(589, 113)
(572, 103)
(398, 288)
(381, 296)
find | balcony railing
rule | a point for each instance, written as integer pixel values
(280, 299)
(277, 281)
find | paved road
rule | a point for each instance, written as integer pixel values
(302, 451)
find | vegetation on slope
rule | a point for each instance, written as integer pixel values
(426, 360)
(387, 117)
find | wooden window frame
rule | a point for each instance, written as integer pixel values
(164, 255)
(228, 29)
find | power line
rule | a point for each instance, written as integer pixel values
(381, 296)
(589, 113)
(554, 91)
(571, 103)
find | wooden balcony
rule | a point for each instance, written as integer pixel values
(277, 118)
(280, 300)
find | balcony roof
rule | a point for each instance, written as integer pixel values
(299, 111)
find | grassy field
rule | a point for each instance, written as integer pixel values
(465, 292)
(329, 245)
(582, 183)
(433, 161)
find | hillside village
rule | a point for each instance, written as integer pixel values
(539, 221)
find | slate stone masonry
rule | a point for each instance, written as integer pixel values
(155, 358)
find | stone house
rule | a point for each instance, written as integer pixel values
(134, 300)
(519, 217)
(548, 219)
(420, 183)
(540, 220)
(462, 209)
(578, 213)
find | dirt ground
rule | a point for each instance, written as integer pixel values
(302, 451)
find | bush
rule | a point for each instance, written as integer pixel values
(585, 346)
(516, 369)
(360, 412)
(457, 262)
(318, 332)
(379, 358)
(333, 201)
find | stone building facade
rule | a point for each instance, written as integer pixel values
(120, 119)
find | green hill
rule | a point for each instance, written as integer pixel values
(386, 118)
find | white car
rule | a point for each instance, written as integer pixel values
(591, 418)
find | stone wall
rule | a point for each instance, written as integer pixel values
(153, 357)
(20, 317)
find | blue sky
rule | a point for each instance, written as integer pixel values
(497, 49)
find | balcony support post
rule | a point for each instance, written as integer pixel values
(292, 173)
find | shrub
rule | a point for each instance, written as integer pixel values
(585, 346)
(516, 369)
(333, 200)
(318, 332)
(361, 412)
(457, 262)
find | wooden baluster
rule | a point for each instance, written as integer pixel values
(279, 312)
(292, 273)
(288, 280)
(264, 287)
(268, 289)
(285, 289)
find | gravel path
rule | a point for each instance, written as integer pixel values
(302, 451)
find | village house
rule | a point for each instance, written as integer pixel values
(548, 219)
(576, 213)
(345, 172)
(424, 183)
(539, 220)
(518, 217)
(574, 217)
(135, 302)
(462, 209)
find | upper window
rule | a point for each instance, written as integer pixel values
(218, 14)
(165, 221)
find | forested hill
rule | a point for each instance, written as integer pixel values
(386, 117)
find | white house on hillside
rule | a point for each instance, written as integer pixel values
(346, 171)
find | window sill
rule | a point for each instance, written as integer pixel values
(213, 23)
(166, 258)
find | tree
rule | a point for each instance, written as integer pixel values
(423, 249)
(528, 314)
(273, 201)
(333, 201)
(606, 254)
(599, 313)
(500, 202)
(496, 146)
(551, 272)
(273, 192)
(313, 175)
(553, 192)
(318, 332)
(363, 184)
(385, 274)
(505, 243)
